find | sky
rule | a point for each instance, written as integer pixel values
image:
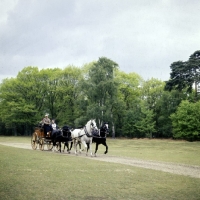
(141, 36)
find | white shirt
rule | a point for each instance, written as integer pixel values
(53, 126)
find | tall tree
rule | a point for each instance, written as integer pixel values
(129, 87)
(194, 67)
(126, 107)
(185, 74)
(146, 123)
(68, 95)
(165, 106)
(100, 90)
(16, 111)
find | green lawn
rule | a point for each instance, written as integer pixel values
(29, 174)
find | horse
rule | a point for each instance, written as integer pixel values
(101, 139)
(61, 135)
(84, 136)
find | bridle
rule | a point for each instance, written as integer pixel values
(92, 127)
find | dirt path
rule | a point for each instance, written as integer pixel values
(180, 169)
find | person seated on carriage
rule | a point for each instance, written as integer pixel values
(47, 125)
(54, 127)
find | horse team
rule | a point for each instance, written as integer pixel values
(86, 136)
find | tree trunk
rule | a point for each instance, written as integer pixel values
(113, 126)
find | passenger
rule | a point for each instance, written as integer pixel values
(55, 130)
(53, 124)
(47, 125)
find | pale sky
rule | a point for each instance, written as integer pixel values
(142, 36)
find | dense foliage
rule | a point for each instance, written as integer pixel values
(186, 121)
(133, 107)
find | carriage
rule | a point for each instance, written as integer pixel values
(86, 136)
(39, 139)
(51, 140)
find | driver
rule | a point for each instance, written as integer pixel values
(47, 125)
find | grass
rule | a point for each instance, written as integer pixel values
(28, 174)
(159, 150)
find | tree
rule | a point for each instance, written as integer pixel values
(194, 67)
(52, 77)
(165, 106)
(152, 91)
(128, 87)
(186, 121)
(15, 110)
(146, 124)
(185, 74)
(69, 96)
(126, 104)
(99, 88)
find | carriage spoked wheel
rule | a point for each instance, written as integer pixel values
(34, 141)
(49, 145)
(41, 144)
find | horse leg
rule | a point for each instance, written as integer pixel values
(59, 146)
(90, 147)
(96, 149)
(79, 146)
(85, 146)
(64, 147)
(71, 145)
(75, 147)
(54, 144)
(104, 143)
(67, 144)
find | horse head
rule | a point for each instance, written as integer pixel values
(104, 130)
(66, 131)
(91, 126)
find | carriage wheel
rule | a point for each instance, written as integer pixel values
(34, 141)
(49, 145)
(41, 144)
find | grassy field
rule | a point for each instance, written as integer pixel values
(29, 174)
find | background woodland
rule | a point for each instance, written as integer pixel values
(133, 107)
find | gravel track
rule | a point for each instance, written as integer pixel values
(180, 169)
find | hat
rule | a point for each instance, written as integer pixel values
(46, 114)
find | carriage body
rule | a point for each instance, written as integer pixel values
(38, 138)
(40, 132)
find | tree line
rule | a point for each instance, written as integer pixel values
(132, 106)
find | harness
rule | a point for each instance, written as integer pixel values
(88, 135)
(103, 129)
(86, 132)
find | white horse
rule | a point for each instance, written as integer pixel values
(84, 136)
